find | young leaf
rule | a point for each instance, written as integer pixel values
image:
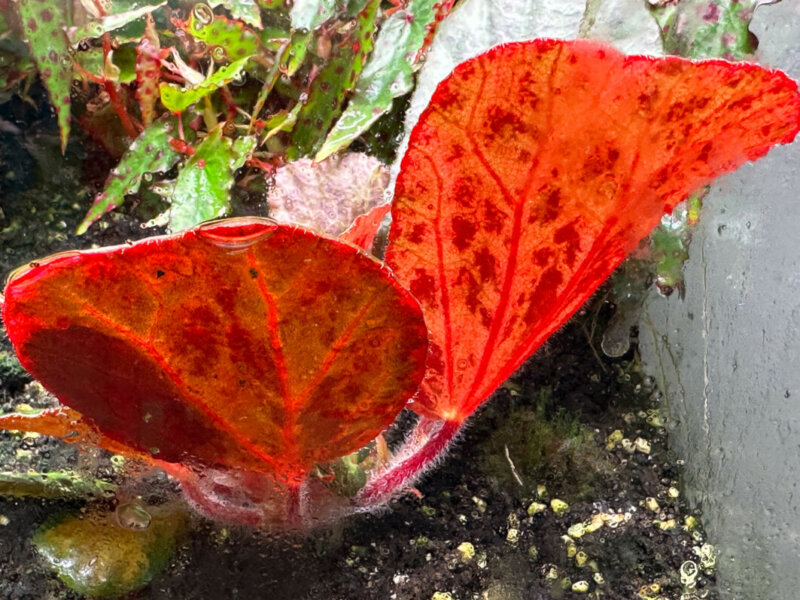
(387, 75)
(149, 153)
(202, 191)
(332, 84)
(535, 170)
(235, 39)
(242, 344)
(328, 196)
(178, 99)
(43, 23)
(148, 71)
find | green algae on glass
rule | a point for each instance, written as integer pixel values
(43, 23)
(332, 84)
(706, 28)
(202, 190)
(109, 554)
(388, 74)
(53, 485)
(149, 153)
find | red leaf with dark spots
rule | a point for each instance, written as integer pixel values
(535, 170)
(242, 343)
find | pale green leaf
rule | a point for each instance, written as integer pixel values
(178, 99)
(202, 190)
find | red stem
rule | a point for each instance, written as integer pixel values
(380, 489)
(116, 101)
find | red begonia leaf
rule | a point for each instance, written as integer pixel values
(535, 170)
(365, 227)
(241, 343)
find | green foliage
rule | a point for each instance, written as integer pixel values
(335, 80)
(43, 24)
(387, 75)
(202, 189)
(706, 29)
(178, 99)
(256, 83)
(149, 153)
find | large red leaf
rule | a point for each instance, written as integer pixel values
(535, 170)
(241, 343)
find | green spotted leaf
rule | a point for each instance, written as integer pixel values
(332, 84)
(706, 28)
(178, 99)
(149, 153)
(387, 75)
(234, 39)
(202, 190)
(43, 24)
(244, 10)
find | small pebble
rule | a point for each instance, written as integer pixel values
(580, 587)
(559, 506)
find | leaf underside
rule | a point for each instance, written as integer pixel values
(241, 343)
(535, 170)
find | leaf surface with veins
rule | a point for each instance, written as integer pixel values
(242, 343)
(535, 170)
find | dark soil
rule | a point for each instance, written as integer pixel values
(547, 427)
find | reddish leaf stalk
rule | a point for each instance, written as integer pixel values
(409, 467)
(116, 101)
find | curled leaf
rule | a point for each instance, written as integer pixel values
(328, 196)
(525, 186)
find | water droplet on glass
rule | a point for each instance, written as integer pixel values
(132, 515)
(203, 15)
(236, 234)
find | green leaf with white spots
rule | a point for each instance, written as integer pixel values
(244, 10)
(389, 73)
(234, 39)
(97, 27)
(178, 99)
(332, 84)
(149, 153)
(706, 28)
(43, 24)
(202, 190)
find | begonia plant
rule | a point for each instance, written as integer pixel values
(254, 361)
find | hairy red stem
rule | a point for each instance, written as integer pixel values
(380, 489)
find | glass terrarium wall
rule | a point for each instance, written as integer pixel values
(727, 356)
